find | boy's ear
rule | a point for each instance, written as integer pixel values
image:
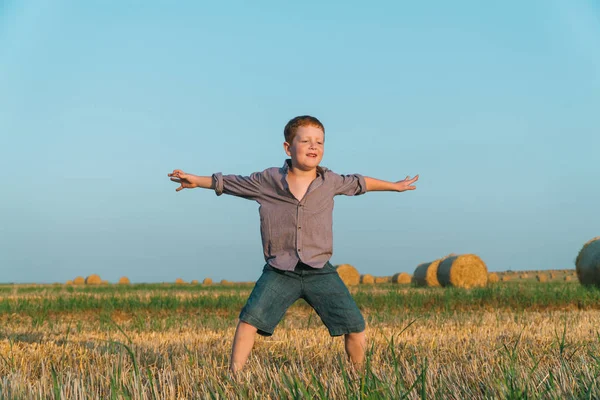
(286, 148)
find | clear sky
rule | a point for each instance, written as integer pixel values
(495, 104)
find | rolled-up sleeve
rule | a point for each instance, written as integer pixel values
(248, 187)
(350, 185)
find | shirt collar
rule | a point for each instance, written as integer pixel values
(288, 164)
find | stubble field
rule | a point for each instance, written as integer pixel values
(519, 339)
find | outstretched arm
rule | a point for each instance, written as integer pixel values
(400, 186)
(189, 181)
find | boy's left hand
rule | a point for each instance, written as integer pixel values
(406, 184)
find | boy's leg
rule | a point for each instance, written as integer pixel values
(329, 296)
(274, 292)
(355, 344)
(243, 341)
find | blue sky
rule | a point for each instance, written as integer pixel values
(494, 105)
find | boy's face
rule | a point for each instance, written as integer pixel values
(306, 149)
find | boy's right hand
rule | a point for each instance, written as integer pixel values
(186, 180)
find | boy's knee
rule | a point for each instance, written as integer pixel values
(355, 335)
(246, 327)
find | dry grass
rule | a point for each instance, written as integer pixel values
(188, 360)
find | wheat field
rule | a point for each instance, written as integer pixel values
(513, 340)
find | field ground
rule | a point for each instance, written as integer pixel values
(520, 339)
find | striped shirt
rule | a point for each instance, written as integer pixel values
(292, 230)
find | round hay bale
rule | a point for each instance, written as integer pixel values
(179, 281)
(69, 282)
(367, 279)
(207, 281)
(553, 275)
(104, 282)
(541, 277)
(493, 278)
(124, 280)
(587, 264)
(465, 271)
(79, 280)
(382, 279)
(194, 282)
(505, 278)
(93, 279)
(568, 278)
(349, 274)
(426, 274)
(524, 276)
(226, 282)
(401, 278)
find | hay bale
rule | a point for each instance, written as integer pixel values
(382, 279)
(553, 275)
(226, 282)
(465, 271)
(587, 264)
(207, 281)
(401, 278)
(426, 274)
(524, 276)
(179, 281)
(505, 278)
(568, 278)
(69, 282)
(367, 279)
(124, 280)
(194, 282)
(93, 279)
(79, 281)
(541, 277)
(493, 278)
(349, 274)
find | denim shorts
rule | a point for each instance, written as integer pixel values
(276, 290)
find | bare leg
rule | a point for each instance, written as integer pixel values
(243, 341)
(355, 347)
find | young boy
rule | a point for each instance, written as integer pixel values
(296, 206)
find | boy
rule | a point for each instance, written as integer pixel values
(296, 205)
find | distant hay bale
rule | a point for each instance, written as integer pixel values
(349, 274)
(79, 280)
(194, 282)
(207, 281)
(93, 279)
(124, 280)
(179, 281)
(426, 274)
(104, 282)
(541, 277)
(493, 278)
(465, 271)
(226, 282)
(568, 278)
(382, 279)
(367, 279)
(524, 276)
(505, 278)
(401, 278)
(587, 264)
(69, 282)
(553, 275)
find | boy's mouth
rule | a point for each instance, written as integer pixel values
(312, 155)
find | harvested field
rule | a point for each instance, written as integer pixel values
(173, 341)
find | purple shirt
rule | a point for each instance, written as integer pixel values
(293, 230)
